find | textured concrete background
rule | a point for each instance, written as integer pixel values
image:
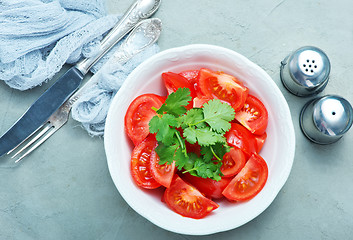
(64, 190)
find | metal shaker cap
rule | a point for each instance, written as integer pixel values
(306, 71)
(325, 120)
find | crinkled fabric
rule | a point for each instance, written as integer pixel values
(92, 108)
(37, 37)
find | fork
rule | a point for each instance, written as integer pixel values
(149, 29)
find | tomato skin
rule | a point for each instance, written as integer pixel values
(260, 141)
(200, 101)
(139, 114)
(232, 162)
(222, 86)
(249, 181)
(191, 76)
(253, 115)
(174, 81)
(210, 188)
(187, 201)
(240, 137)
(163, 174)
(140, 163)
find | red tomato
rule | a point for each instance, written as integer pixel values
(233, 161)
(192, 148)
(249, 181)
(200, 101)
(191, 76)
(253, 115)
(139, 114)
(240, 137)
(140, 163)
(260, 141)
(163, 174)
(174, 81)
(187, 201)
(222, 86)
(209, 187)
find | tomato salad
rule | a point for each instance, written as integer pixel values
(200, 143)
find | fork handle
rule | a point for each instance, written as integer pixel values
(139, 10)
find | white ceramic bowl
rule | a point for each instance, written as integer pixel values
(278, 150)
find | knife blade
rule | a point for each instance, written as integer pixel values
(39, 112)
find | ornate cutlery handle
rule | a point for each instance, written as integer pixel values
(149, 29)
(138, 11)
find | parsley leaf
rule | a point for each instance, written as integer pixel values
(174, 126)
(162, 125)
(166, 153)
(218, 115)
(204, 136)
(192, 117)
(176, 102)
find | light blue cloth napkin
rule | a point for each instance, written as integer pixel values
(37, 37)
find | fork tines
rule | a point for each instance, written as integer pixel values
(32, 142)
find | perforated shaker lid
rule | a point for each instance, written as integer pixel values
(309, 66)
(333, 115)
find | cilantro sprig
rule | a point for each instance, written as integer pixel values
(174, 126)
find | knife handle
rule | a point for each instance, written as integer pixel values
(138, 11)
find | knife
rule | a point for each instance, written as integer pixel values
(39, 112)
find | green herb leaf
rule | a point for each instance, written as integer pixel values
(166, 153)
(176, 102)
(218, 115)
(203, 136)
(204, 126)
(208, 169)
(192, 117)
(163, 126)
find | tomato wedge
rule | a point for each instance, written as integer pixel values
(187, 201)
(240, 137)
(210, 188)
(222, 86)
(232, 162)
(249, 181)
(190, 75)
(253, 115)
(260, 141)
(200, 101)
(140, 163)
(163, 174)
(139, 114)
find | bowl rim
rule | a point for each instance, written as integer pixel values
(290, 132)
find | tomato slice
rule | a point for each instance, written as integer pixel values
(190, 75)
(253, 115)
(139, 114)
(240, 137)
(163, 174)
(174, 81)
(210, 188)
(249, 181)
(232, 162)
(187, 201)
(200, 101)
(222, 86)
(140, 163)
(260, 141)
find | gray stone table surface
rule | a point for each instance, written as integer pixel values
(64, 191)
